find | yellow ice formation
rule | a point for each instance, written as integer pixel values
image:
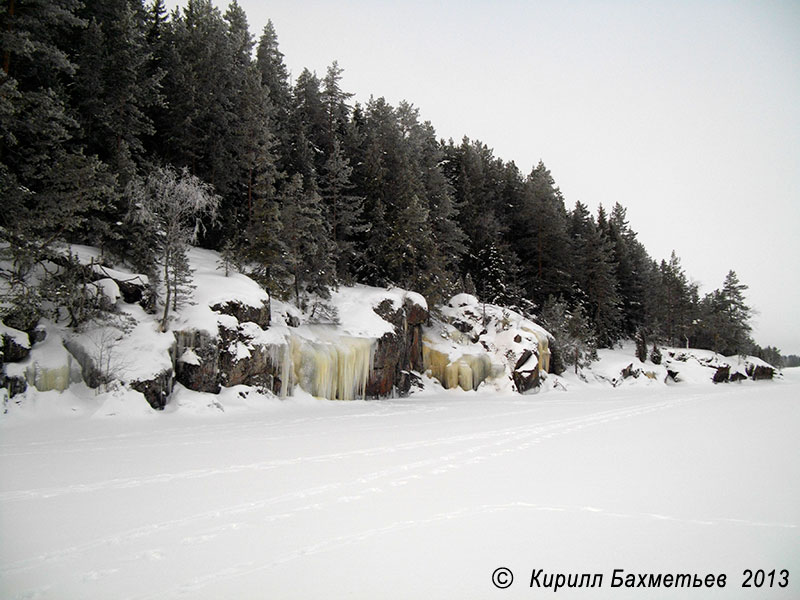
(336, 369)
(468, 371)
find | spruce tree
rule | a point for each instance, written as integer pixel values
(275, 79)
(678, 300)
(593, 274)
(306, 238)
(114, 86)
(343, 209)
(49, 187)
(539, 235)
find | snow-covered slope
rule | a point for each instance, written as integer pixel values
(360, 342)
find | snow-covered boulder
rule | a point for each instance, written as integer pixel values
(156, 388)
(14, 344)
(695, 365)
(619, 366)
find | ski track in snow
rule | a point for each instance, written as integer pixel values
(335, 543)
(497, 438)
(442, 454)
(488, 444)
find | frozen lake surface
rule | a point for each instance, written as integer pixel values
(411, 498)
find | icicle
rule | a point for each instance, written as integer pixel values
(544, 352)
(332, 366)
(467, 371)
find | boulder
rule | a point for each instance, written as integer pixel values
(525, 373)
(722, 374)
(134, 288)
(242, 312)
(15, 345)
(156, 389)
(757, 372)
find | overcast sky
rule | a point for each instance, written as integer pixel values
(687, 113)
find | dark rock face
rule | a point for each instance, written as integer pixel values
(11, 350)
(205, 363)
(257, 365)
(156, 389)
(760, 372)
(197, 361)
(243, 313)
(525, 379)
(722, 374)
(14, 385)
(397, 352)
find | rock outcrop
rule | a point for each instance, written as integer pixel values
(241, 353)
(14, 344)
(473, 342)
(156, 389)
(690, 363)
(399, 351)
(15, 347)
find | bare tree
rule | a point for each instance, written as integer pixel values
(173, 204)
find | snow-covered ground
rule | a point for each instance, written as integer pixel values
(421, 497)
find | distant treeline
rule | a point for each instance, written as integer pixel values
(314, 190)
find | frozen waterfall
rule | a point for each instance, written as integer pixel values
(329, 365)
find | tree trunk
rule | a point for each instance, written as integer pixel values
(576, 360)
(539, 249)
(169, 293)
(249, 196)
(296, 288)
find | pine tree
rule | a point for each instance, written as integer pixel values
(479, 182)
(724, 323)
(678, 300)
(631, 265)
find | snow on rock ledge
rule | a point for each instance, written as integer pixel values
(694, 366)
(476, 342)
(228, 337)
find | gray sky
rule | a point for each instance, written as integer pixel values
(687, 113)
